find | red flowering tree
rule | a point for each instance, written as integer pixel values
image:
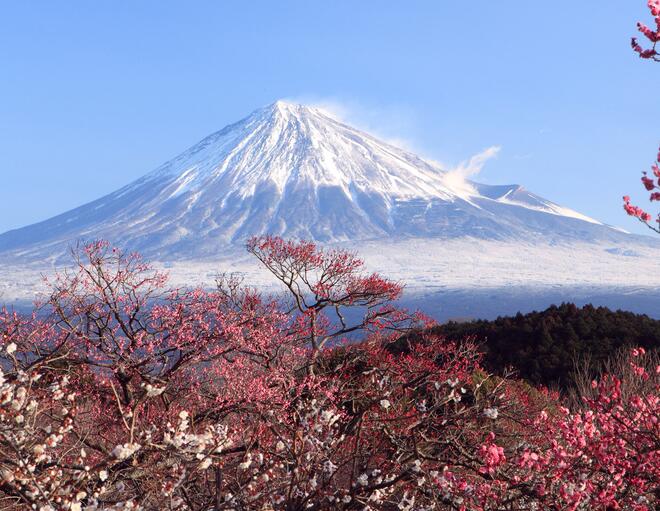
(324, 284)
(184, 381)
(123, 394)
(650, 181)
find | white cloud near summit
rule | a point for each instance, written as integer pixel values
(457, 177)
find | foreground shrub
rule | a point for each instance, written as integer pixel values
(131, 396)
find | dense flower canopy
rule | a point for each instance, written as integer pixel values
(119, 393)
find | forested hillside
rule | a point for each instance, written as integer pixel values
(544, 346)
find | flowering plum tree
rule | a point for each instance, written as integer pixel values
(318, 281)
(122, 394)
(652, 184)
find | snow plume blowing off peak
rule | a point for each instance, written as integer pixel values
(297, 171)
(457, 178)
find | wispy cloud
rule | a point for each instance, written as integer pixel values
(457, 177)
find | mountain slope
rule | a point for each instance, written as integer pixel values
(295, 171)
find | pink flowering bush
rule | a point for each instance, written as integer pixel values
(604, 455)
(119, 393)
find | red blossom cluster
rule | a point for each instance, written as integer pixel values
(652, 35)
(651, 184)
(122, 394)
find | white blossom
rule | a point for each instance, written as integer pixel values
(246, 464)
(329, 467)
(491, 413)
(121, 452)
(152, 391)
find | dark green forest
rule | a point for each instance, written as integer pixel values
(543, 347)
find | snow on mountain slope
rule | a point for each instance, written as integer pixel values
(296, 171)
(518, 196)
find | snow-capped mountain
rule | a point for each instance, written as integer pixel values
(296, 171)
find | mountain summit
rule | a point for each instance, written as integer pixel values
(296, 171)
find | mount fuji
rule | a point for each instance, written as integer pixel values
(297, 171)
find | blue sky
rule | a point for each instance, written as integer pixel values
(95, 94)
